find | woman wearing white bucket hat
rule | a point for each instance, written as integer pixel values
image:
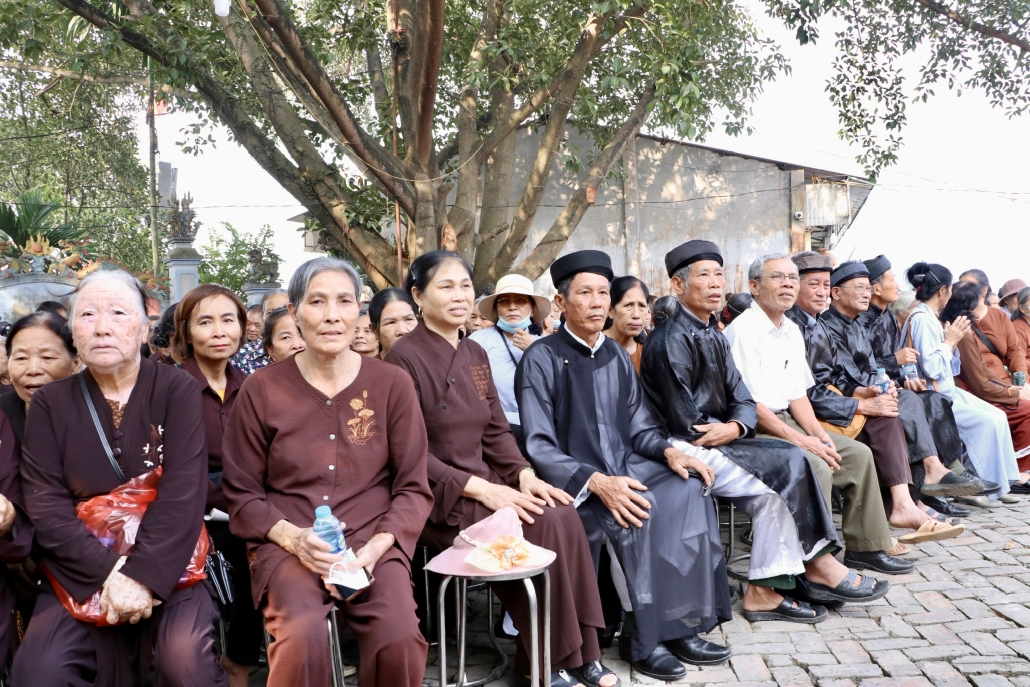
(515, 308)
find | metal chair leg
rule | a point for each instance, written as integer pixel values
(335, 650)
(441, 622)
(534, 640)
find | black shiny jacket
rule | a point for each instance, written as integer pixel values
(821, 352)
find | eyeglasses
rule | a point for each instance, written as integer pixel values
(861, 290)
(505, 301)
(780, 277)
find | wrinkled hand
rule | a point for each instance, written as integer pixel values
(619, 495)
(865, 392)
(1024, 393)
(123, 598)
(531, 485)
(817, 447)
(680, 463)
(313, 552)
(522, 339)
(366, 557)
(906, 355)
(915, 384)
(716, 434)
(497, 496)
(884, 405)
(954, 331)
(7, 516)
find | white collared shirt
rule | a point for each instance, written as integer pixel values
(593, 349)
(771, 359)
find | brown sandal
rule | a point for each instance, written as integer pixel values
(932, 530)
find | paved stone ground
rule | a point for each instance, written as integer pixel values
(960, 620)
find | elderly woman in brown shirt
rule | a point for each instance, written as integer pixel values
(330, 427)
(149, 415)
(475, 468)
(979, 375)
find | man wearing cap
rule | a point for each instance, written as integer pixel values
(691, 377)
(590, 431)
(856, 377)
(515, 308)
(891, 353)
(1007, 295)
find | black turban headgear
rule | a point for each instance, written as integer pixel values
(846, 272)
(594, 261)
(690, 252)
(877, 266)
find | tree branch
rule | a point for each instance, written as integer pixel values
(430, 76)
(535, 101)
(381, 163)
(120, 80)
(529, 203)
(558, 235)
(968, 23)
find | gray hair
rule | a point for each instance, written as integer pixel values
(758, 266)
(682, 273)
(305, 273)
(904, 303)
(267, 296)
(121, 277)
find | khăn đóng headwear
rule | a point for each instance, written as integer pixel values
(877, 267)
(593, 261)
(691, 252)
(848, 271)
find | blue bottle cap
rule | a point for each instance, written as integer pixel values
(323, 512)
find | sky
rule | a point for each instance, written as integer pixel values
(960, 194)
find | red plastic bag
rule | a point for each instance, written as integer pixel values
(114, 519)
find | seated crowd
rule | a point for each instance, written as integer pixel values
(606, 420)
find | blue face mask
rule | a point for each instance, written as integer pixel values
(507, 326)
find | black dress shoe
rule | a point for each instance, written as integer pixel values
(877, 561)
(699, 652)
(946, 507)
(661, 665)
(990, 488)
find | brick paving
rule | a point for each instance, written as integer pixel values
(961, 619)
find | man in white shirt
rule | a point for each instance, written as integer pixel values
(769, 350)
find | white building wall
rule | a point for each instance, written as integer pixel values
(678, 192)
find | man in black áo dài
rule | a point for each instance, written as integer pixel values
(590, 431)
(690, 376)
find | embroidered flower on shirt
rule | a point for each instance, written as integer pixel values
(153, 452)
(361, 425)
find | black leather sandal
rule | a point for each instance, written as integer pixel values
(592, 674)
(870, 589)
(792, 611)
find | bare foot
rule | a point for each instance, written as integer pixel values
(907, 517)
(238, 674)
(758, 598)
(1023, 477)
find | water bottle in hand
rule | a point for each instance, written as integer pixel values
(882, 381)
(327, 528)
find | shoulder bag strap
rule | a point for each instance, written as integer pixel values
(987, 342)
(507, 346)
(100, 430)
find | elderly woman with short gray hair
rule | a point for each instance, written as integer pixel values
(86, 435)
(330, 427)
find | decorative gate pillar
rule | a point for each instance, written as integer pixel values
(183, 260)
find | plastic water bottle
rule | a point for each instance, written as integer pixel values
(882, 381)
(327, 528)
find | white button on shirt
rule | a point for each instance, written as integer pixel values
(771, 359)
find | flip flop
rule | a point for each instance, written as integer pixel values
(932, 530)
(940, 517)
(897, 548)
(870, 589)
(803, 613)
(952, 485)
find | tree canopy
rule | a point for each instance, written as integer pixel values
(309, 89)
(74, 143)
(225, 256)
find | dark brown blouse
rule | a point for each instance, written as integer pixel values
(468, 433)
(17, 547)
(64, 463)
(216, 417)
(288, 449)
(997, 326)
